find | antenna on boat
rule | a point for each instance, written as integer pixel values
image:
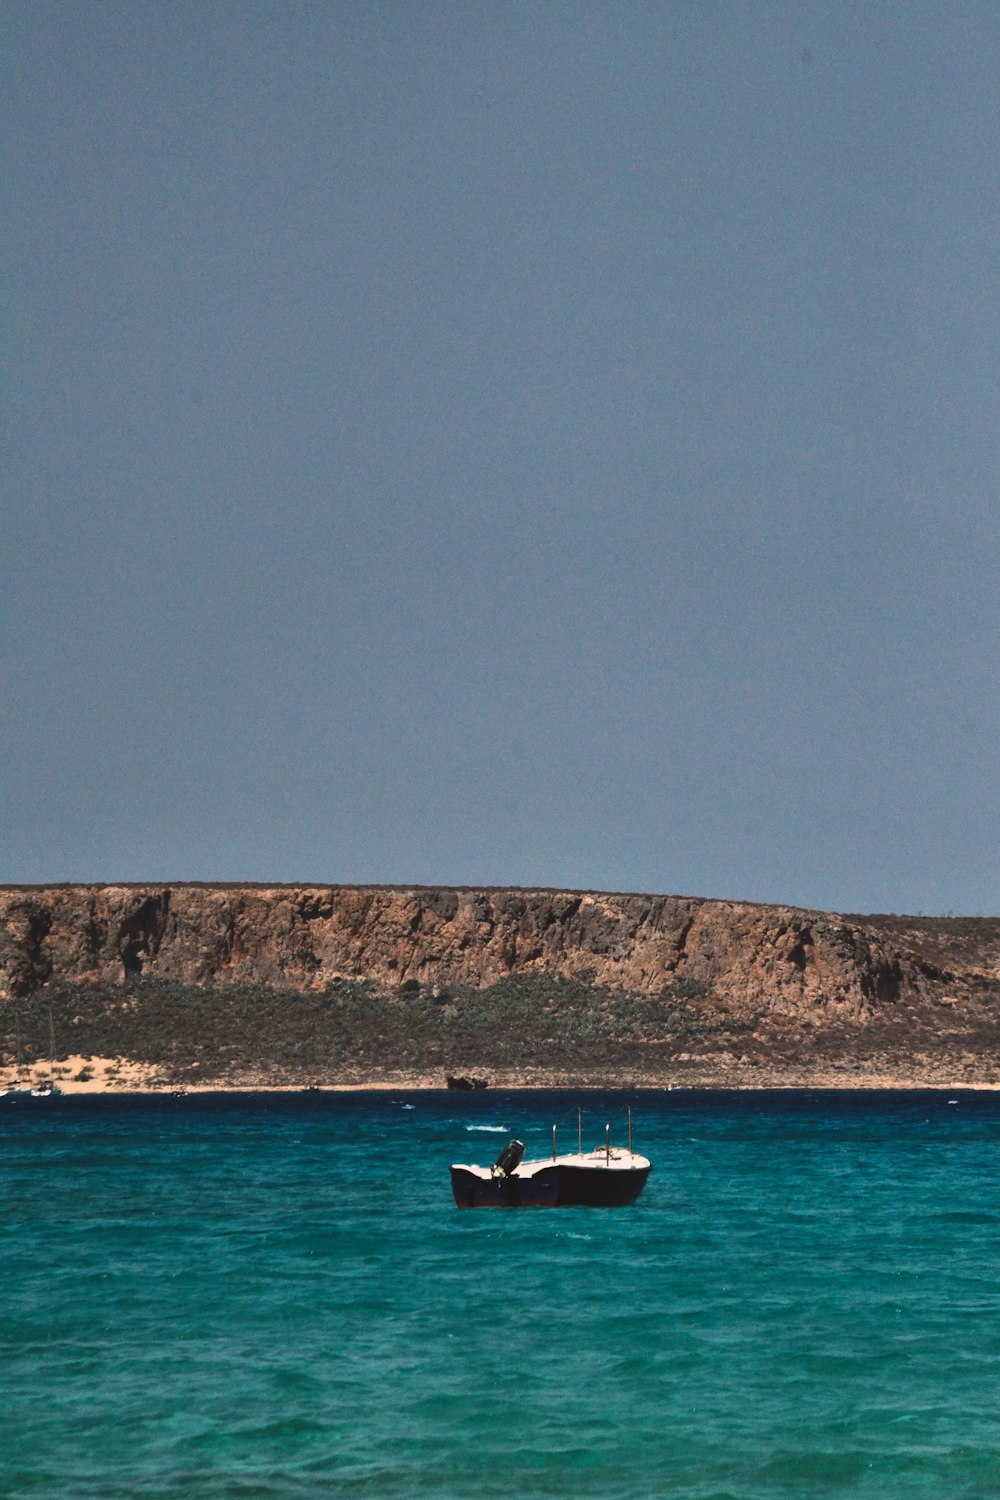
(607, 1141)
(579, 1132)
(630, 1152)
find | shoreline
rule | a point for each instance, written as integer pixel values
(121, 1076)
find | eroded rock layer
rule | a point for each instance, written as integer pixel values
(780, 959)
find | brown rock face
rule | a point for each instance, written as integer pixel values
(779, 959)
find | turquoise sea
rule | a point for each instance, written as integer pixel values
(274, 1296)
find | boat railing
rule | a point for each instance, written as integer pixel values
(626, 1109)
(579, 1131)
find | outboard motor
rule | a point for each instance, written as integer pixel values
(509, 1158)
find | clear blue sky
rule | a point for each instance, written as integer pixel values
(540, 444)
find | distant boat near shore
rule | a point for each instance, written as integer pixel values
(16, 1088)
(43, 1088)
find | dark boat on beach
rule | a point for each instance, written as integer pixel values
(607, 1177)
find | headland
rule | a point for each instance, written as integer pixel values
(167, 986)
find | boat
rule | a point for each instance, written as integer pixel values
(47, 1088)
(16, 1088)
(42, 1088)
(607, 1177)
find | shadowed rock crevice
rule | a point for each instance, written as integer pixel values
(140, 934)
(801, 950)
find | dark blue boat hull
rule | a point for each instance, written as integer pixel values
(558, 1186)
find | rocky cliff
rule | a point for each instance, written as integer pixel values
(781, 967)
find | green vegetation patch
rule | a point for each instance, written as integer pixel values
(188, 1032)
